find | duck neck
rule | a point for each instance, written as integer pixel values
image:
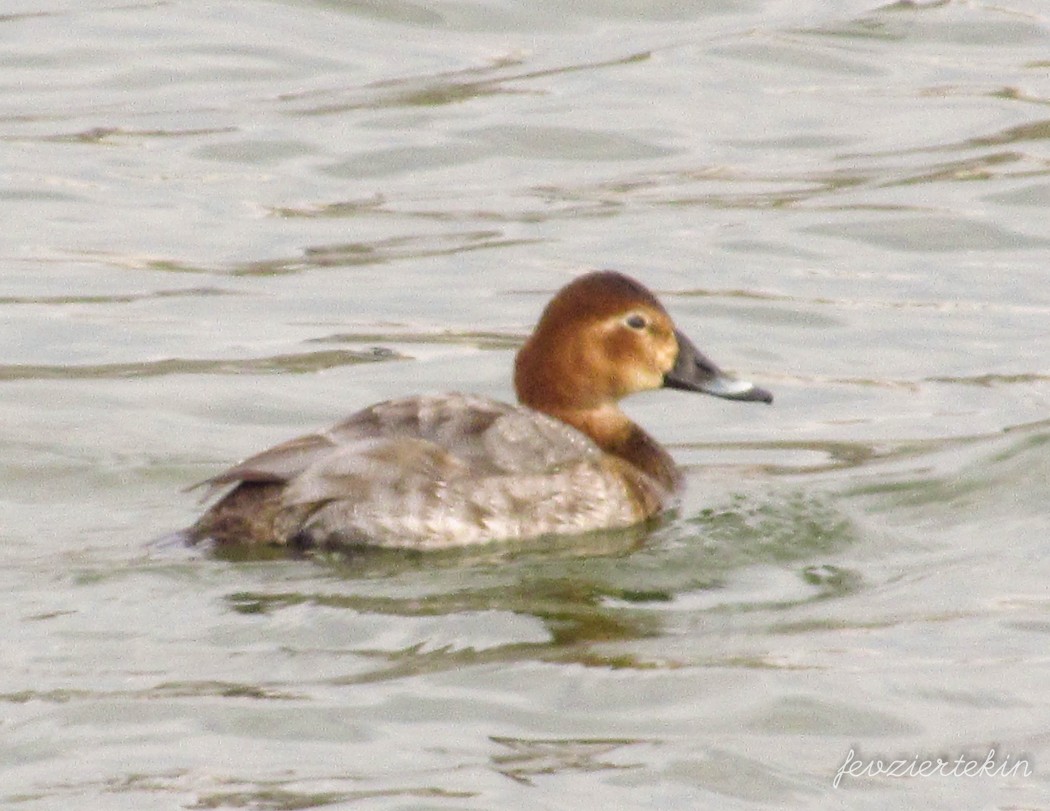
(615, 433)
(555, 385)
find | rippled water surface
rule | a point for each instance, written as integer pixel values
(229, 223)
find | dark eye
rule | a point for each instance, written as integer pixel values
(636, 321)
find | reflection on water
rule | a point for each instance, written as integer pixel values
(382, 252)
(452, 87)
(1008, 478)
(293, 364)
(525, 760)
(584, 590)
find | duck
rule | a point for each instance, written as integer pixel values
(455, 470)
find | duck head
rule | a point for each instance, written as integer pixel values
(604, 336)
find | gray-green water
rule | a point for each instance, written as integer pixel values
(229, 223)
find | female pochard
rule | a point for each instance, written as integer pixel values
(452, 470)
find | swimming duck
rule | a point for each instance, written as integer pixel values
(452, 470)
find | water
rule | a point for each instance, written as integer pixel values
(227, 224)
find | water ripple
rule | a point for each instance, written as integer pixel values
(293, 363)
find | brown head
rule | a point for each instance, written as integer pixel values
(604, 336)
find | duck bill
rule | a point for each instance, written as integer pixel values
(694, 371)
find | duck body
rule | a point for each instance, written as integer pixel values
(431, 472)
(455, 470)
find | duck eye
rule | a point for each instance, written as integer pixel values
(636, 321)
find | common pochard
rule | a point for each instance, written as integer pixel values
(451, 470)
